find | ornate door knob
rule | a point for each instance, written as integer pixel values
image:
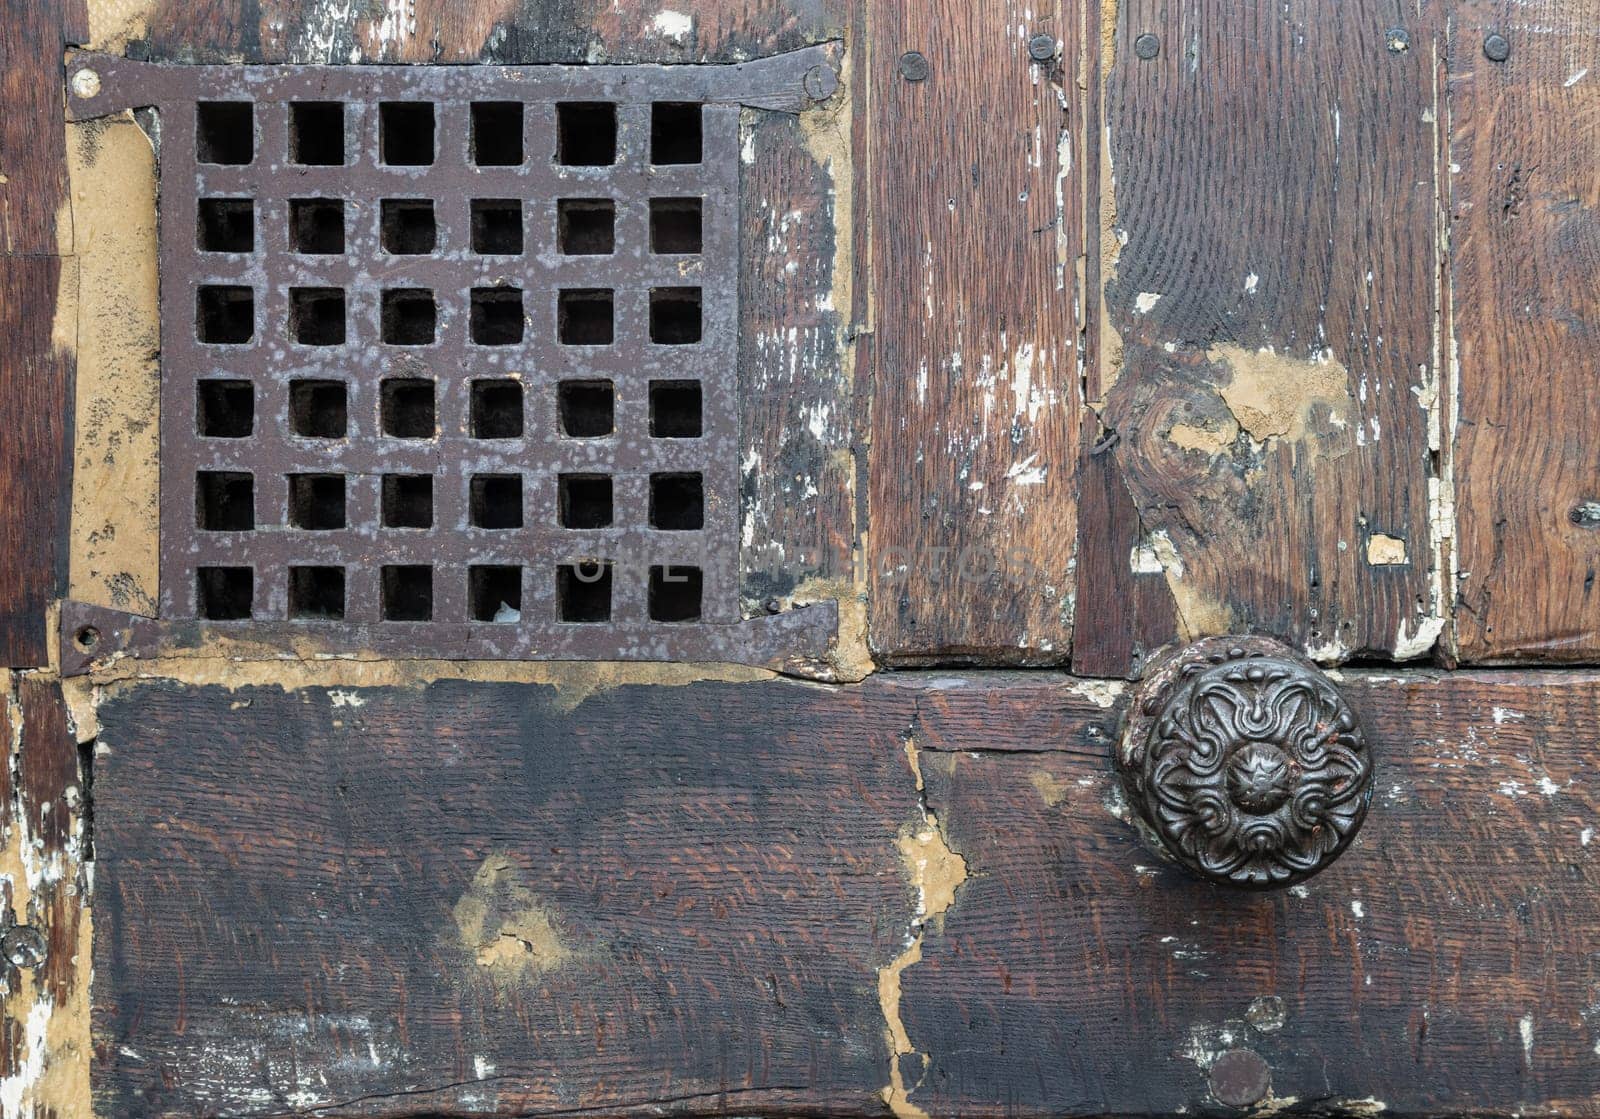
(1246, 761)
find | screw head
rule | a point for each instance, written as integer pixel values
(1147, 46)
(1240, 1078)
(914, 66)
(1397, 39)
(1496, 48)
(820, 82)
(23, 946)
(85, 83)
(1042, 47)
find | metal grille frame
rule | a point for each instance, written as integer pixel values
(273, 453)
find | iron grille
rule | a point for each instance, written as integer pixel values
(448, 354)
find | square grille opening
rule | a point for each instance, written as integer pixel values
(225, 315)
(225, 409)
(497, 410)
(583, 591)
(224, 132)
(586, 133)
(316, 316)
(675, 132)
(585, 500)
(316, 501)
(316, 592)
(675, 316)
(586, 317)
(420, 365)
(496, 501)
(675, 225)
(316, 225)
(675, 410)
(410, 317)
(675, 593)
(587, 409)
(407, 501)
(496, 226)
(407, 410)
(494, 593)
(586, 226)
(405, 133)
(497, 316)
(407, 593)
(319, 409)
(224, 593)
(226, 225)
(316, 133)
(225, 501)
(497, 133)
(408, 226)
(677, 502)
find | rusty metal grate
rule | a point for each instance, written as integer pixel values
(448, 354)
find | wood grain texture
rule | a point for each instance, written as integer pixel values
(975, 233)
(502, 31)
(471, 900)
(1525, 265)
(44, 1041)
(1445, 965)
(35, 372)
(476, 899)
(1270, 285)
(796, 461)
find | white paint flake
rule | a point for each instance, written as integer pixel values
(1525, 1028)
(1357, 908)
(1250, 283)
(1586, 836)
(674, 25)
(346, 699)
(1503, 715)
(1575, 79)
(1146, 302)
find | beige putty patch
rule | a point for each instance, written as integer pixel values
(1273, 395)
(508, 932)
(1384, 550)
(115, 485)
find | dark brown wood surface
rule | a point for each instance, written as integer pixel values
(975, 229)
(35, 364)
(480, 899)
(1525, 249)
(504, 31)
(796, 467)
(1270, 284)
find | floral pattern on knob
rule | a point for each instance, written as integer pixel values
(1246, 761)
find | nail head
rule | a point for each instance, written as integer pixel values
(23, 946)
(1042, 47)
(1496, 48)
(1397, 39)
(820, 82)
(85, 83)
(1240, 1078)
(1147, 46)
(914, 66)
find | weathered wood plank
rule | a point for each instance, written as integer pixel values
(975, 234)
(476, 899)
(1268, 357)
(503, 31)
(35, 367)
(1525, 266)
(44, 1045)
(796, 462)
(918, 892)
(1445, 965)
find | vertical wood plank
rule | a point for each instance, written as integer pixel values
(1525, 266)
(796, 469)
(1270, 282)
(35, 373)
(976, 230)
(44, 1046)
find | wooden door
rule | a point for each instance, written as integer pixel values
(1057, 341)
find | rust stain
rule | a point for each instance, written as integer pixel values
(1273, 395)
(935, 871)
(508, 932)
